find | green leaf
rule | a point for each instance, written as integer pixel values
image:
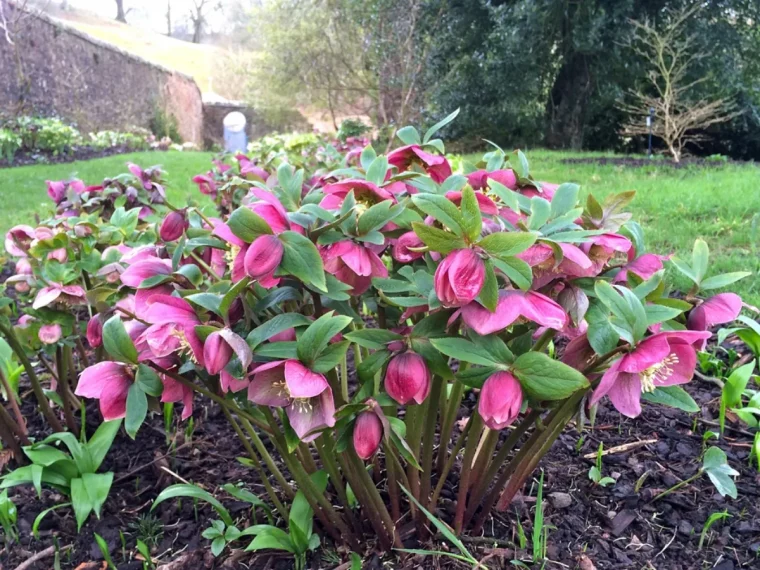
(489, 294)
(330, 357)
(42, 515)
(565, 198)
(472, 219)
(442, 209)
(672, 396)
(430, 133)
(194, 492)
(377, 216)
(374, 339)
(684, 268)
(506, 244)
(409, 135)
(148, 381)
(100, 442)
(247, 225)
(137, 409)
(231, 295)
(715, 464)
(540, 210)
(268, 540)
(465, 350)
(315, 338)
(659, 313)
(438, 240)
(723, 280)
(736, 383)
(367, 156)
(275, 326)
(88, 494)
(301, 259)
(518, 271)
(544, 378)
(699, 258)
(376, 171)
(624, 304)
(117, 342)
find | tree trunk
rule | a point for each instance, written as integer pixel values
(169, 18)
(567, 105)
(197, 30)
(120, 14)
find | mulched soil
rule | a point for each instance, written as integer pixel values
(631, 162)
(589, 526)
(77, 153)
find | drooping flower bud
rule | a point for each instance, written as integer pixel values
(95, 331)
(50, 334)
(459, 278)
(407, 378)
(23, 267)
(216, 353)
(500, 400)
(368, 432)
(263, 256)
(174, 225)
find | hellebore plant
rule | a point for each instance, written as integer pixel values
(343, 313)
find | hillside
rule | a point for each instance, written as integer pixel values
(197, 60)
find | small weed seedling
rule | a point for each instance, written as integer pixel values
(595, 473)
(711, 520)
(8, 516)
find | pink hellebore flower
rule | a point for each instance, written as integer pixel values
(108, 382)
(206, 184)
(174, 225)
(407, 378)
(68, 294)
(512, 305)
(95, 331)
(219, 348)
(172, 329)
(19, 239)
(663, 359)
(262, 258)
(486, 205)
(50, 334)
(500, 400)
(368, 432)
(177, 392)
(144, 269)
(459, 278)
(401, 251)
(144, 176)
(305, 395)
(272, 211)
(479, 179)
(248, 167)
(643, 266)
(717, 310)
(365, 193)
(353, 264)
(56, 190)
(437, 167)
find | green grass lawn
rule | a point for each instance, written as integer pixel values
(720, 204)
(23, 191)
(674, 207)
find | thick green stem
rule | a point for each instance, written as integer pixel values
(483, 455)
(393, 488)
(428, 441)
(447, 425)
(256, 463)
(317, 500)
(450, 462)
(344, 378)
(677, 486)
(326, 452)
(13, 399)
(544, 340)
(464, 479)
(39, 393)
(64, 364)
(304, 453)
(286, 488)
(414, 421)
(7, 436)
(493, 469)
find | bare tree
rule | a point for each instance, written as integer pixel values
(679, 116)
(169, 18)
(121, 15)
(198, 15)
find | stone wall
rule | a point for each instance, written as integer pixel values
(53, 69)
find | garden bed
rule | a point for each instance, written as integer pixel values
(602, 527)
(633, 162)
(77, 153)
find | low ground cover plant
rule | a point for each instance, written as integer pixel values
(339, 310)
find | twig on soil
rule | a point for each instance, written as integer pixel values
(621, 448)
(41, 555)
(145, 465)
(664, 548)
(173, 474)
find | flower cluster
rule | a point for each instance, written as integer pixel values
(355, 307)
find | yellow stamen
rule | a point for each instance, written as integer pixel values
(657, 373)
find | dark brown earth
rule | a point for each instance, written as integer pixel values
(589, 526)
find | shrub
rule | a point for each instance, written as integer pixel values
(352, 128)
(47, 135)
(434, 283)
(10, 144)
(164, 125)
